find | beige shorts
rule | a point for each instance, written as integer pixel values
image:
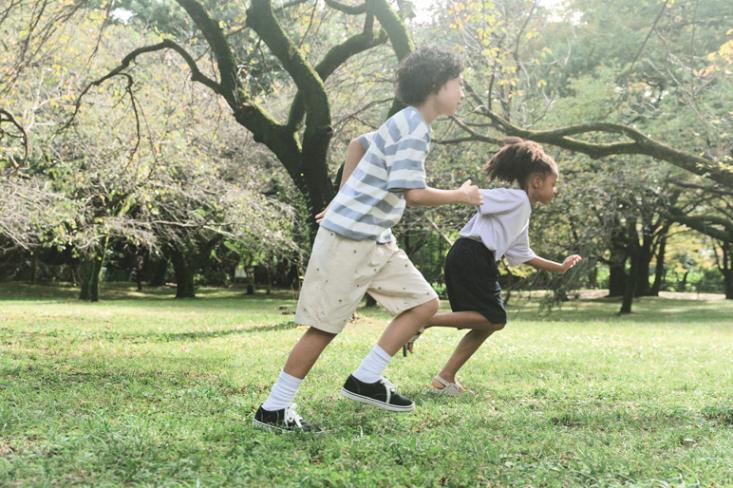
(341, 271)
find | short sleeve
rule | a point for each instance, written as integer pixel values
(366, 140)
(405, 162)
(500, 201)
(519, 252)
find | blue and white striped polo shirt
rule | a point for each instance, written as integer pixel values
(372, 199)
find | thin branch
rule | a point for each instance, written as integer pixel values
(260, 18)
(336, 57)
(229, 86)
(6, 116)
(648, 35)
(347, 9)
(641, 144)
(196, 74)
(354, 115)
(288, 5)
(705, 188)
(475, 136)
(105, 23)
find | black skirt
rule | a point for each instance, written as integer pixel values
(472, 280)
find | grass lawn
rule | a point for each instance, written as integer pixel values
(142, 389)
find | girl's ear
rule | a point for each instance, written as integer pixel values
(536, 180)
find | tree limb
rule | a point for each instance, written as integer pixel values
(231, 90)
(335, 57)
(6, 116)
(196, 74)
(710, 225)
(347, 9)
(260, 18)
(641, 144)
(398, 35)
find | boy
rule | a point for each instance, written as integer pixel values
(354, 251)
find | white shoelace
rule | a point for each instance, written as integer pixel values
(387, 384)
(389, 387)
(291, 416)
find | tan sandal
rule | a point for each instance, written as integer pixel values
(449, 389)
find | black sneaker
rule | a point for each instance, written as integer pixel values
(284, 420)
(381, 394)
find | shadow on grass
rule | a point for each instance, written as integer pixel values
(647, 310)
(210, 334)
(64, 292)
(155, 337)
(653, 310)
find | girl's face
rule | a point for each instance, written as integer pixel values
(450, 96)
(542, 188)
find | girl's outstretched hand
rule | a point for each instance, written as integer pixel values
(570, 261)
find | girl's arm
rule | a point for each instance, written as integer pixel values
(552, 266)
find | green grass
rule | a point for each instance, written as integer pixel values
(147, 390)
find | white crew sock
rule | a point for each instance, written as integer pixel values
(282, 393)
(373, 365)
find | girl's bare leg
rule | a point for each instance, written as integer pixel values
(481, 329)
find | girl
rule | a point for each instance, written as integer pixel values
(498, 229)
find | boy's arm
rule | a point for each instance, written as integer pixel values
(354, 152)
(552, 266)
(432, 197)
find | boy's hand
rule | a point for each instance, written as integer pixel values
(321, 214)
(471, 194)
(570, 261)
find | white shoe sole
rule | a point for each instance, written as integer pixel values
(269, 427)
(274, 428)
(376, 403)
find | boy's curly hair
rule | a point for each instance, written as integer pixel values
(424, 71)
(518, 159)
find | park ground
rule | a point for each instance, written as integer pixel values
(142, 389)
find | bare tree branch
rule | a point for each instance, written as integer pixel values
(347, 9)
(196, 74)
(231, 90)
(335, 57)
(715, 227)
(6, 116)
(641, 144)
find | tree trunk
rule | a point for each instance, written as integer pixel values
(593, 278)
(139, 266)
(184, 271)
(659, 271)
(89, 272)
(617, 263)
(727, 269)
(616, 279)
(728, 279)
(681, 285)
(84, 272)
(34, 267)
(268, 274)
(159, 272)
(644, 261)
(633, 277)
